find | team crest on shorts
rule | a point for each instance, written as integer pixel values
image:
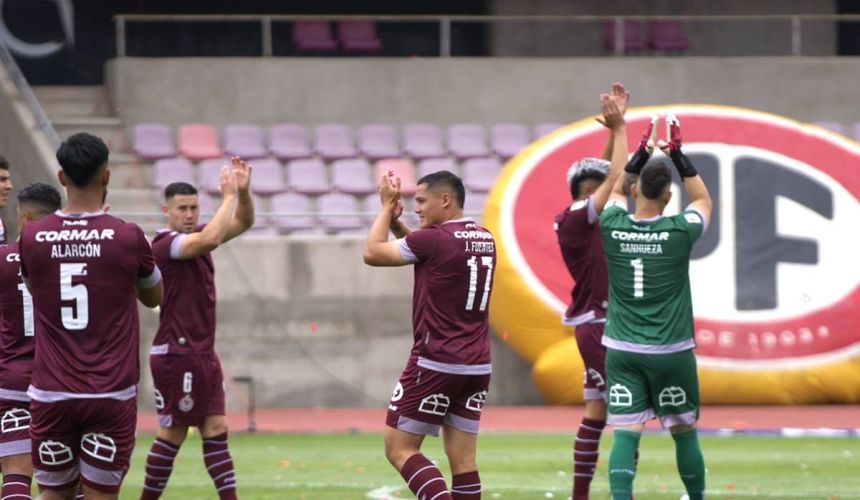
(17, 419)
(672, 396)
(620, 395)
(186, 403)
(99, 446)
(54, 453)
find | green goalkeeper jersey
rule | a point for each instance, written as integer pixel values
(650, 307)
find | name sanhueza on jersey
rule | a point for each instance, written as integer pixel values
(644, 242)
(72, 236)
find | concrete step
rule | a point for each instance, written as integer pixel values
(91, 93)
(110, 129)
(76, 101)
(140, 206)
(128, 171)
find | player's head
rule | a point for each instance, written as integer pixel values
(585, 176)
(654, 183)
(5, 182)
(440, 197)
(83, 158)
(36, 201)
(181, 207)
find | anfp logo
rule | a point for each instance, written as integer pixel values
(774, 278)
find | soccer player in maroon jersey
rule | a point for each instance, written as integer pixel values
(189, 384)
(590, 181)
(5, 191)
(17, 347)
(85, 270)
(444, 385)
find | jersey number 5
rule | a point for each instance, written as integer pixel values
(472, 262)
(78, 316)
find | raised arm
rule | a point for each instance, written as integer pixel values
(613, 107)
(700, 198)
(195, 244)
(243, 217)
(622, 98)
(378, 250)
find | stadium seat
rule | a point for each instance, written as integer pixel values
(307, 177)
(209, 204)
(208, 174)
(199, 141)
(378, 141)
(402, 168)
(475, 204)
(358, 35)
(479, 174)
(467, 140)
(431, 165)
(421, 141)
(152, 141)
(832, 126)
(169, 170)
(352, 176)
(343, 212)
(288, 141)
(542, 129)
(508, 139)
(667, 35)
(245, 141)
(333, 141)
(291, 203)
(632, 36)
(268, 177)
(313, 35)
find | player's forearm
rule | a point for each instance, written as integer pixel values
(399, 229)
(377, 235)
(617, 162)
(216, 229)
(608, 147)
(698, 192)
(245, 210)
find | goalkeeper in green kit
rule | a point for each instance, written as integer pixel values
(650, 365)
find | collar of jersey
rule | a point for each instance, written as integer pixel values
(464, 219)
(80, 215)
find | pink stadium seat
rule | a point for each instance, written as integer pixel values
(358, 35)
(199, 141)
(169, 170)
(421, 141)
(832, 126)
(208, 174)
(542, 129)
(353, 176)
(292, 203)
(209, 204)
(288, 141)
(667, 35)
(245, 141)
(402, 168)
(467, 140)
(267, 177)
(475, 204)
(431, 165)
(342, 210)
(508, 139)
(632, 36)
(333, 141)
(307, 177)
(378, 141)
(152, 141)
(313, 35)
(479, 174)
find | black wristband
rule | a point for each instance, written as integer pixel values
(637, 161)
(683, 164)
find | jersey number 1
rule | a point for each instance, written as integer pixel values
(27, 302)
(638, 278)
(472, 262)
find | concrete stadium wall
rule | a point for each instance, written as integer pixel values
(486, 90)
(314, 326)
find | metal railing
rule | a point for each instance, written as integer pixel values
(794, 22)
(20, 82)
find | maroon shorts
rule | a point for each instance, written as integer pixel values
(425, 399)
(14, 428)
(90, 438)
(589, 339)
(188, 388)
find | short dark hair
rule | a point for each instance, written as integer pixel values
(4, 163)
(175, 188)
(41, 195)
(81, 156)
(654, 179)
(576, 184)
(446, 179)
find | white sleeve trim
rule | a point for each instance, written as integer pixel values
(405, 252)
(175, 246)
(592, 211)
(151, 280)
(703, 222)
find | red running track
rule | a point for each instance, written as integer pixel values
(537, 418)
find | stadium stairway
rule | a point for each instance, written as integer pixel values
(74, 109)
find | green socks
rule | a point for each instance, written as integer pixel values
(622, 463)
(691, 464)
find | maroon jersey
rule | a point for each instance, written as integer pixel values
(82, 271)
(188, 308)
(454, 264)
(582, 251)
(17, 343)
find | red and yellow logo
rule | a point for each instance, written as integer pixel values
(776, 285)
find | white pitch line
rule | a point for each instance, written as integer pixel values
(383, 492)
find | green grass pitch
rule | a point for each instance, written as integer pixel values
(513, 466)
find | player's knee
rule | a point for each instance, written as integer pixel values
(675, 429)
(214, 426)
(173, 435)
